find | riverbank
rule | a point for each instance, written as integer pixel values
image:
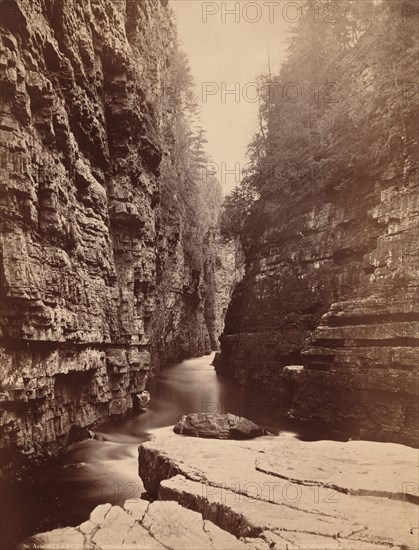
(271, 492)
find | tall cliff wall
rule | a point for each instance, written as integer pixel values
(333, 289)
(84, 243)
(331, 255)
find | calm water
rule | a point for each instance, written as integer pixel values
(94, 472)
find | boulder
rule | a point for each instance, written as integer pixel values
(218, 426)
(142, 400)
(96, 436)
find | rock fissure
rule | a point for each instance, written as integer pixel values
(358, 492)
(306, 511)
(116, 260)
(152, 536)
(196, 511)
(184, 469)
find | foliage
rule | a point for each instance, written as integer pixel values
(342, 108)
(191, 198)
(236, 211)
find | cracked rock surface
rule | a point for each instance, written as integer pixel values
(140, 525)
(290, 493)
(271, 493)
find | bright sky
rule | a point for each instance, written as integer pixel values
(227, 52)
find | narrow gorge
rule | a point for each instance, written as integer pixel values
(149, 309)
(108, 252)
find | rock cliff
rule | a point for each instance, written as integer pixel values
(332, 288)
(85, 245)
(330, 246)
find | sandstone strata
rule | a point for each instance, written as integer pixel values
(84, 248)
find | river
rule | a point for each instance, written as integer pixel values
(93, 472)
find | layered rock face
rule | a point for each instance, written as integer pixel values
(190, 304)
(329, 227)
(221, 275)
(330, 285)
(82, 237)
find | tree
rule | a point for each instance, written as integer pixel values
(236, 212)
(341, 109)
(187, 196)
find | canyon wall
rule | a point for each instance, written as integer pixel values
(330, 289)
(333, 289)
(85, 248)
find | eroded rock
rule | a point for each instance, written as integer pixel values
(331, 282)
(85, 245)
(271, 492)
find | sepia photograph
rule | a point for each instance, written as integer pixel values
(209, 252)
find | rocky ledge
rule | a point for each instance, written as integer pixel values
(271, 492)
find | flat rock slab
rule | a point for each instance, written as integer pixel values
(273, 493)
(141, 526)
(354, 467)
(217, 426)
(281, 490)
